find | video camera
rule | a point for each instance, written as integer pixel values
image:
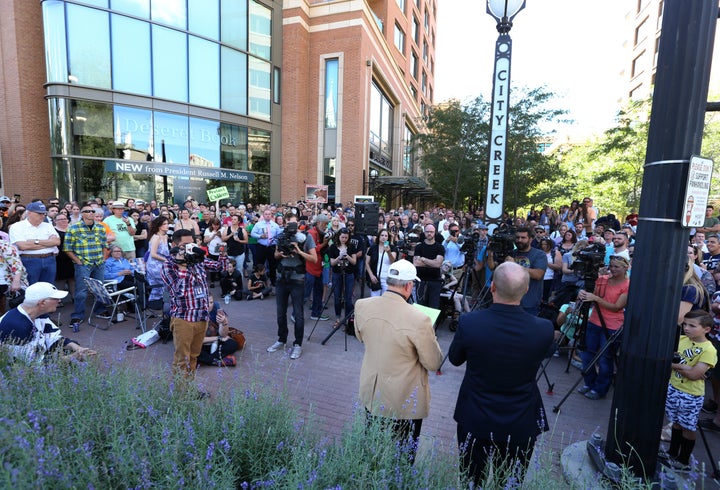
(411, 239)
(289, 236)
(187, 254)
(588, 262)
(501, 244)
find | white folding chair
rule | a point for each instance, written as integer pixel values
(107, 294)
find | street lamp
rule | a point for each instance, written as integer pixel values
(503, 11)
(374, 174)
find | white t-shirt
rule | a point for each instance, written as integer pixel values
(24, 230)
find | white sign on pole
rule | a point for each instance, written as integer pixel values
(697, 191)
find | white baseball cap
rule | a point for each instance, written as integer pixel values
(43, 290)
(403, 270)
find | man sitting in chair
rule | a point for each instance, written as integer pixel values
(29, 335)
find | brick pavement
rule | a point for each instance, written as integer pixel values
(325, 379)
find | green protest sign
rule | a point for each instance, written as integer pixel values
(218, 193)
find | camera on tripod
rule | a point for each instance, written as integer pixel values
(412, 238)
(588, 262)
(290, 236)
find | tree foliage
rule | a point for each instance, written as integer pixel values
(455, 150)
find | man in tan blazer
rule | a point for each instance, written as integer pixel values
(400, 349)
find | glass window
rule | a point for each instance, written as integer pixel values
(204, 72)
(59, 125)
(233, 23)
(131, 56)
(203, 18)
(204, 143)
(416, 30)
(427, 20)
(414, 62)
(277, 84)
(381, 121)
(92, 129)
(399, 38)
(169, 64)
(233, 82)
(401, 5)
(425, 52)
(331, 93)
(259, 189)
(139, 8)
(259, 88)
(88, 46)
(409, 152)
(233, 147)
(260, 30)
(170, 138)
(259, 149)
(133, 133)
(55, 47)
(171, 12)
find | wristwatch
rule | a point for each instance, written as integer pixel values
(37, 241)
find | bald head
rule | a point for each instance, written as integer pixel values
(510, 283)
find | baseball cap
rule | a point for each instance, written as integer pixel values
(403, 270)
(36, 207)
(5, 199)
(43, 290)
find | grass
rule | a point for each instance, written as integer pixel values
(66, 424)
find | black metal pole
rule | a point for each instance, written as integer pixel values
(675, 133)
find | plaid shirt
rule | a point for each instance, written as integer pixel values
(188, 288)
(85, 242)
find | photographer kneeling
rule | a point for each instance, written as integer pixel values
(291, 281)
(185, 277)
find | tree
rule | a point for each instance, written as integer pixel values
(455, 150)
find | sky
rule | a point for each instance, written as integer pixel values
(573, 47)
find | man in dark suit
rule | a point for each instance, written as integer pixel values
(499, 410)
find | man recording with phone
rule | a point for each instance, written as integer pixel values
(185, 277)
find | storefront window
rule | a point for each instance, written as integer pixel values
(133, 133)
(171, 138)
(88, 34)
(204, 72)
(204, 143)
(233, 147)
(170, 72)
(259, 149)
(131, 56)
(92, 129)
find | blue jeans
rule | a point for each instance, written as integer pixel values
(314, 287)
(283, 291)
(40, 269)
(598, 379)
(81, 272)
(343, 288)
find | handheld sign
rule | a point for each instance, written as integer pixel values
(218, 193)
(697, 192)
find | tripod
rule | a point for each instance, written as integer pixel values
(347, 317)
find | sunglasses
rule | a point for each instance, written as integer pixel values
(88, 211)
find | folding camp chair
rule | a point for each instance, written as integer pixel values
(106, 294)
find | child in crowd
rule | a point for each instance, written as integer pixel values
(231, 282)
(686, 389)
(258, 283)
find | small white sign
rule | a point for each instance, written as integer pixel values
(697, 192)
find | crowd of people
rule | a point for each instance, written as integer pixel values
(532, 271)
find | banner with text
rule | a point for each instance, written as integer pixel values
(171, 170)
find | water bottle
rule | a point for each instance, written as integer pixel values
(227, 299)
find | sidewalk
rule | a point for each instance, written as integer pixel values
(325, 379)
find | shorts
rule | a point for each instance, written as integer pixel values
(683, 408)
(326, 276)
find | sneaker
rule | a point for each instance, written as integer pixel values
(276, 346)
(229, 361)
(323, 318)
(249, 297)
(296, 352)
(708, 424)
(592, 395)
(576, 364)
(583, 390)
(710, 407)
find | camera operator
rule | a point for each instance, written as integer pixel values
(290, 281)
(185, 277)
(452, 245)
(534, 261)
(428, 259)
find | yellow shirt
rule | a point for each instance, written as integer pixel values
(691, 353)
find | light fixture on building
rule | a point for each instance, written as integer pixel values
(503, 11)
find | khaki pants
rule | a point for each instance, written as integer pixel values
(188, 338)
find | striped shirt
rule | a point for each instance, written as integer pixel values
(86, 242)
(188, 288)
